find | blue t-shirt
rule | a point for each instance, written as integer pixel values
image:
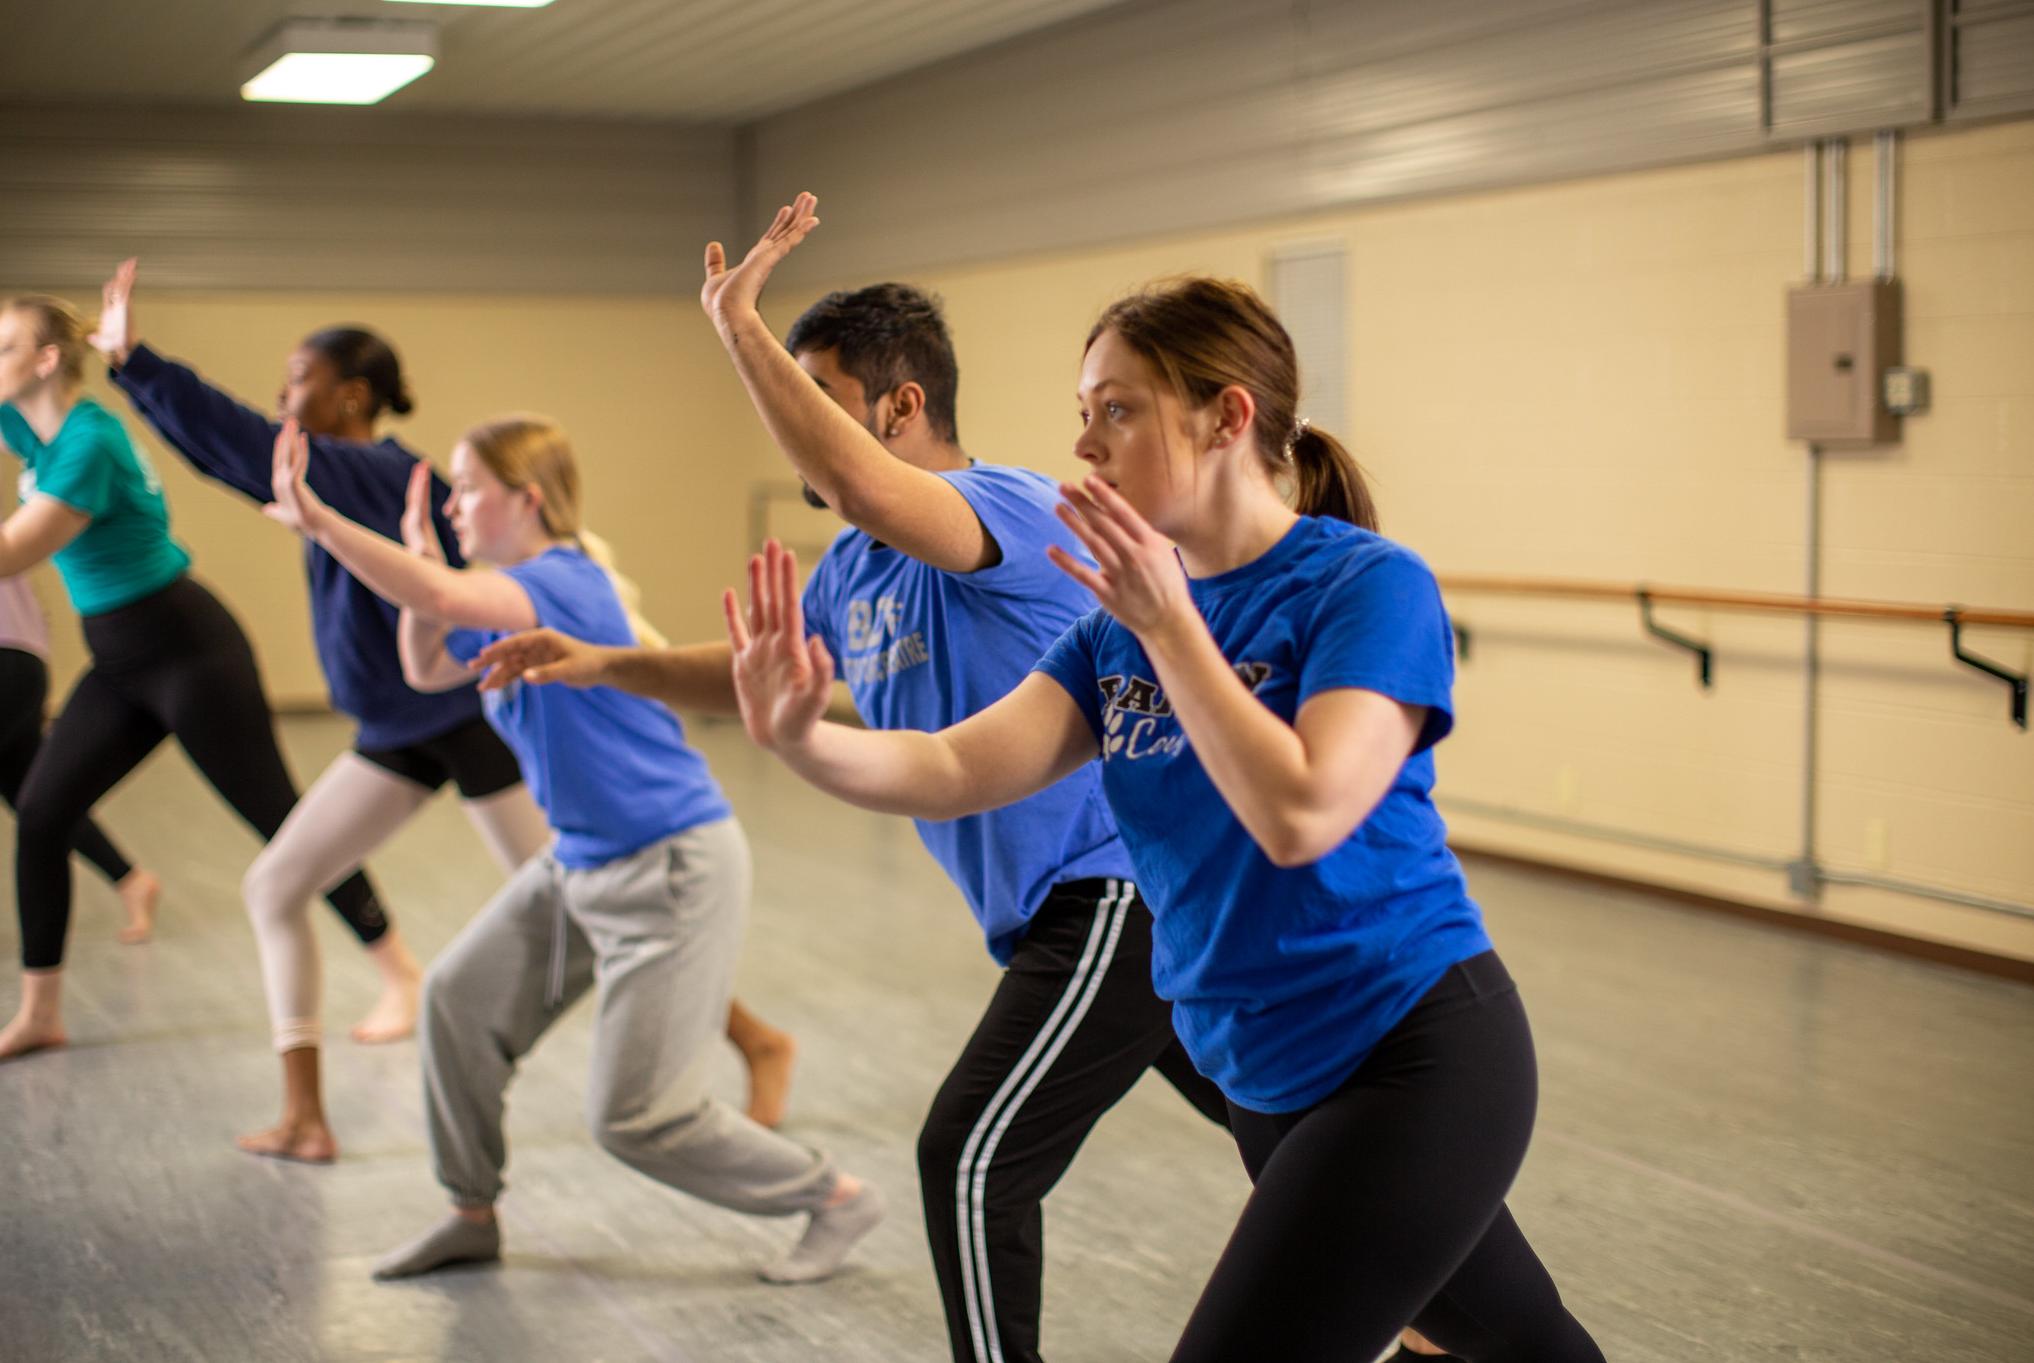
(1283, 979)
(225, 439)
(125, 551)
(923, 649)
(612, 771)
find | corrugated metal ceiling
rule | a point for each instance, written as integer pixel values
(688, 60)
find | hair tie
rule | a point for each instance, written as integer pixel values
(1300, 428)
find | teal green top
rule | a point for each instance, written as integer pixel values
(126, 552)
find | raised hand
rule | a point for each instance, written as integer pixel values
(295, 505)
(782, 679)
(420, 532)
(539, 656)
(729, 294)
(114, 338)
(1137, 575)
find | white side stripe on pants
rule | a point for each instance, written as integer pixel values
(980, 1149)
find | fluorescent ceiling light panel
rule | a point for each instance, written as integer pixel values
(338, 61)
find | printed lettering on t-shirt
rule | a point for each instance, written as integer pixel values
(874, 650)
(150, 479)
(1137, 719)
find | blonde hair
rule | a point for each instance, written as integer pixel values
(529, 452)
(56, 323)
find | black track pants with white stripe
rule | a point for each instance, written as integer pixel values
(1073, 1025)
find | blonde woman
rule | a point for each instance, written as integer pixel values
(641, 897)
(339, 384)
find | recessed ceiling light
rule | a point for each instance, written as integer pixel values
(338, 61)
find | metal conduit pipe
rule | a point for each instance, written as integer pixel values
(1553, 823)
(1835, 209)
(1970, 901)
(1885, 165)
(1804, 875)
(1811, 198)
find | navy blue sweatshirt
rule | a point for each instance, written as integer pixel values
(225, 439)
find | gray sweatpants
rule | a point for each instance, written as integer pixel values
(657, 933)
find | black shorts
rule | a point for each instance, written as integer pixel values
(472, 757)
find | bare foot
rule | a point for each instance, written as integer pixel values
(139, 890)
(25, 1034)
(307, 1142)
(770, 1061)
(394, 1015)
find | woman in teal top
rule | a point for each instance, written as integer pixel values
(167, 657)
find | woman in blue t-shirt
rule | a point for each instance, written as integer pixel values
(167, 658)
(641, 896)
(1265, 698)
(338, 384)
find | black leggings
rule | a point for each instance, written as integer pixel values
(1073, 1025)
(171, 664)
(24, 688)
(1382, 1205)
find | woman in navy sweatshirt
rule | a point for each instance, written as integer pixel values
(409, 744)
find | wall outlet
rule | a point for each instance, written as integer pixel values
(1877, 853)
(1567, 789)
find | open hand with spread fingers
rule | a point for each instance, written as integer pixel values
(731, 294)
(420, 532)
(539, 656)
(295, 505)
(114, 337)
(1137, 575)
(782, 679)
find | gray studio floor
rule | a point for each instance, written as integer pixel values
(1751, 1145)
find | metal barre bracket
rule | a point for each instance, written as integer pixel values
(2014, 681)
(1704, 656)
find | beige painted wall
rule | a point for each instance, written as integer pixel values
(664, 437)
(1585, 380)
(1580, 379)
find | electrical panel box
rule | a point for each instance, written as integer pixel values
(1841, 338)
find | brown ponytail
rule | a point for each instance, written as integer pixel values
(1203, 335)
(1328, 481)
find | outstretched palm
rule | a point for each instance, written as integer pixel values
(538, 656)
(420, 532)
(294, 504)
(728, 294)
(114, 338)
(782, 679)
